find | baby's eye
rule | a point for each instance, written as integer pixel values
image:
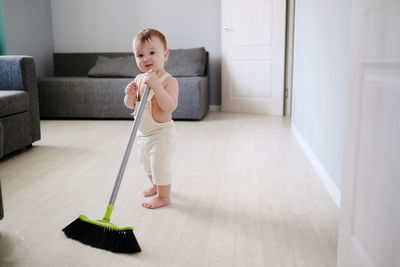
(139, 55)
(152, 52)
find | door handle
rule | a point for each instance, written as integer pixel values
(227, 28)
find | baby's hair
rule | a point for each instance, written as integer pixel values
(145, 36)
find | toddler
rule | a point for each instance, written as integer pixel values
(157, 133)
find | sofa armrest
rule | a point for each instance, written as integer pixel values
(1, 140)
(19, 73)
(29, 79)
(1, 205)
(193, 98)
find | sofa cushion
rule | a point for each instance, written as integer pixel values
(187, 62)
(13, 102)
(116, 67)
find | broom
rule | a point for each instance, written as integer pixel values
(102, 233)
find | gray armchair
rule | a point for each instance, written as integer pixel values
(19, 103)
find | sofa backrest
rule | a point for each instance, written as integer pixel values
(10, 75)
(187, 62)
(181, 62)
(79, 64)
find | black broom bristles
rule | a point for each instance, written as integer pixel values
(120, 241)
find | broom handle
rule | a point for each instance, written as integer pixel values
(134, 130)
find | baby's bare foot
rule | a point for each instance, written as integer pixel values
(150, 192)
(156, 202)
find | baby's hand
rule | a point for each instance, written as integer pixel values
(151, 79)
(131, 89)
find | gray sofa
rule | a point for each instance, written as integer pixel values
(19, 105)
(91, 85)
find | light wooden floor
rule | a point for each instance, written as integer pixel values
(244, 194)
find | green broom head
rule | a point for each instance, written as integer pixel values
(103, 234)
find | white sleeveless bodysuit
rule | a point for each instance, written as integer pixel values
(156, 143)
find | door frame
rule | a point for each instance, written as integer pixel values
(289, 58)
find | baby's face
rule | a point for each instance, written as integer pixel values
(150, 55)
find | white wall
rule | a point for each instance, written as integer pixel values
(29, 31)
(109, 26)
(320, 83)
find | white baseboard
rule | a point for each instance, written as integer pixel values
(334, 192)
(215, 108)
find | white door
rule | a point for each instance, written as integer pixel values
(370, 212)
(253, 55)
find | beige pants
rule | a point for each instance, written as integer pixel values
(156, 153)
